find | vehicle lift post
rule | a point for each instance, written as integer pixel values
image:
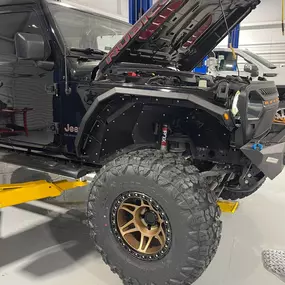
(137, 8)
(234, 37)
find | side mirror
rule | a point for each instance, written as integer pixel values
(252, 69)
(29, 46)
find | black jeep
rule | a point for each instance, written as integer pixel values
(166, 142)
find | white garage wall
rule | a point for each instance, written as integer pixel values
(267, 11)
(261, 32)
(115, 7)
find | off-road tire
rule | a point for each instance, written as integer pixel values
(191, 209)
(238, 195)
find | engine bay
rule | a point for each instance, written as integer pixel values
(219, 89)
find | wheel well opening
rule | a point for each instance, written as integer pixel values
(137, 125)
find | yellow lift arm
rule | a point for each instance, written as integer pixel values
(14, 194)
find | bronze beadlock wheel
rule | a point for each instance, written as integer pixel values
(153, 218)
(141, 226)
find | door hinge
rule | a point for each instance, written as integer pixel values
(52, 89)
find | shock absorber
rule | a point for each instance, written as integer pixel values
(163, 146)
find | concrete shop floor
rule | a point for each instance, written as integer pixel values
(48, 245)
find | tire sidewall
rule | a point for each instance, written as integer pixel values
(165, 268)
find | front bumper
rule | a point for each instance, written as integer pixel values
(268, 154)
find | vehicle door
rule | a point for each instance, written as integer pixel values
(26, 79)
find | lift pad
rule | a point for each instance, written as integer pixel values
(228, 206)
(14, 194)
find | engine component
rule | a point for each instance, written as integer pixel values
(177, 143)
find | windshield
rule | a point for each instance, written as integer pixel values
(83, 30)
(260, 59)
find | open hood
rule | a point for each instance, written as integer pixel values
(178, 32)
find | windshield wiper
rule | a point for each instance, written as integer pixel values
(89, 51)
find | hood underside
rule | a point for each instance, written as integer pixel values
(178, 32)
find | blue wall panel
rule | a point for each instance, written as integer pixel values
(137, 8)
(234, 37)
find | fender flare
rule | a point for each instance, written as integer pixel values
(135, 94)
